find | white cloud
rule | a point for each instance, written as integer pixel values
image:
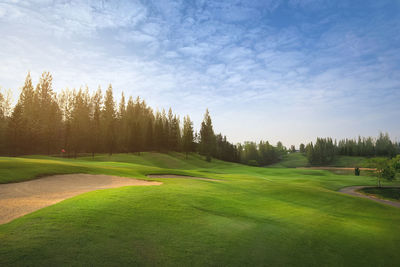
(193, 57)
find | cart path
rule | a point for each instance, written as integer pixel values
(352, 190)
(18, 199)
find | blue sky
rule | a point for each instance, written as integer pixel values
(272, 70)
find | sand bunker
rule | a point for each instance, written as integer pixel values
(18, 199)
(178, 176)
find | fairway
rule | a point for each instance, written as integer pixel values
(250, 216)
(18, 199)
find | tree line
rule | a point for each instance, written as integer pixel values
(261, 154)
(73, 122)
(324, 150)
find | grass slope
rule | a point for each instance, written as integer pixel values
(292, 160)
(253, 216)
(295, 160)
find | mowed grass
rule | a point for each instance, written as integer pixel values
(292, 160)
(297, 159)
(251, 217)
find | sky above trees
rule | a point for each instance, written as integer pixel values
(272, 70)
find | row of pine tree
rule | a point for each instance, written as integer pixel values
(324, 150)
(75, 122)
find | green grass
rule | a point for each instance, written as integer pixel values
(252, 217)
(350, 161)
(295, 160)
(292, 160)
(390, 193)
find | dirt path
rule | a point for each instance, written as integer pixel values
(18, 199)
(178, 176)
(335, 168)
(352, 190)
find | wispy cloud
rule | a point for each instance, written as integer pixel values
(262, 67)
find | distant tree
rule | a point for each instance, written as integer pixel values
(80, 122)
(121, 125)
(187, 138)
(302, 148)
(310, 153)
(384, 146)
(174, 136)
(4, 109)
(207, 136)
(109, 120)
(158, 132)
(280, 147)
(166, 131)
(396, 163)
(384, 169)
(150, 135)
(95, 122)
(250, 154)
(29, 116)
(48, 115)
(66, 104)
(322, 153)
(16, 128)
(292, 148)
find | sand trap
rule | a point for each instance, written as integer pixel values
(352, 190)
(18, 199)
(178, 176)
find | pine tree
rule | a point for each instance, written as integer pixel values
(187, 138)
(3, 125)
(80, 122)
(159, 131)
(16, 128)
(48, 127)
(302, 148)
(165, 131)
(149, 135)
(95, 122)
(109, 121)
(122, 125)
(207, 136)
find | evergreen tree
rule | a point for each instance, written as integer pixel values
(3, 124)
(109, 121)
(80, 122)
(302, 148)
(187, 138)
(122, 126)
(16, 128)
(48, 125)
(27, 106)
(149, 135)
(158, 132)
(207, 136)
(174, 134)
(165, 132)
(95, 123)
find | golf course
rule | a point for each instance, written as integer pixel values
(235, 215)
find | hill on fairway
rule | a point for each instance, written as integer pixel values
(250, 216)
